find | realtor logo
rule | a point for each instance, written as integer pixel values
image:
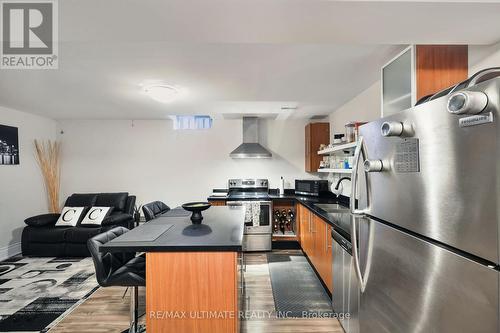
(29, 34)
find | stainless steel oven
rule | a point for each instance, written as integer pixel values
(257, 234)
(254, 195)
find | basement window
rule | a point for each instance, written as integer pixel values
(192, 122)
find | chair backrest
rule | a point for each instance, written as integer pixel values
(106, 263)
(154, 209)
(121, 202)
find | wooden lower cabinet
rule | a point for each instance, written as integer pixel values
(192, 292)
(316, 242)
(323, 250)
(218, 202)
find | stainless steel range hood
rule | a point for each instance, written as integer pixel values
(250, 148)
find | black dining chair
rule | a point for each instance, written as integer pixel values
(154, 209)
(119, 269)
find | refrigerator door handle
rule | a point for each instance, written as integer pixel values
(355, 252)
(355, 213)
(354, 183)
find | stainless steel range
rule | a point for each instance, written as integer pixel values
(254, 195)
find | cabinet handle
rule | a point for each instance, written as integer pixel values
(327, 229)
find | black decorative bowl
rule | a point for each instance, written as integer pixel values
(196, 208)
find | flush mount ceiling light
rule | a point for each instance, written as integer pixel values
(163, 93)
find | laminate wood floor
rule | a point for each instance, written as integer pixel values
(107, 312)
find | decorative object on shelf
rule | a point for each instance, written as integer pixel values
(137, 213)
(337, 139)
(9, 145)
(352, 130)
(48, 156)
(196, 208)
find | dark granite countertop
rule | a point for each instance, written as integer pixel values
(340, 223)
(221, 230)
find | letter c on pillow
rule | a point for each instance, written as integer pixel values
(73, 211)
(98, 210)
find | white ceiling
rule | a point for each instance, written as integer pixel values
(232, 56)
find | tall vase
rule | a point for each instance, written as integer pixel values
(48, 155)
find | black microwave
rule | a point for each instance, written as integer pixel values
(310, 187)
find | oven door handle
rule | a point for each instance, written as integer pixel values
(240, 203)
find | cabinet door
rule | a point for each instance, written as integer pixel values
(301, 224)
(308, 165)
(323, 251)
(307, 233)
(328, 258)
(316, 134)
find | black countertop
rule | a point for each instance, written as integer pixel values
(221, 230)
(340, 222)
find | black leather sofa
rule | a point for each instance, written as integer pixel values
(41, 238)
(154, 209)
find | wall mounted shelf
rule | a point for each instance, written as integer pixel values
(335, 170)
(339, 148)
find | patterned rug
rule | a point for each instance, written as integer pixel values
(36, 293)
(297, 290)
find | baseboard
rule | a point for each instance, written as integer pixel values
(10, 250)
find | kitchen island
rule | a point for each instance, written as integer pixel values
(192, 273)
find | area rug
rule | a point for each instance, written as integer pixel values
(36, 293)
(297, 291)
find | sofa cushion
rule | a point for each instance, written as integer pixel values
(81, 200)
(115, 200)
(117, 218)
(42, 220)
(81, 234)
(95, 216)
(45, 234)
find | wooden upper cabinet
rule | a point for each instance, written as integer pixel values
(316, 134)
(439, 67)
(421, 70)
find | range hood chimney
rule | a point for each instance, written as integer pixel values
(250, 148)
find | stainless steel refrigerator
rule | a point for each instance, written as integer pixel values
(427, 216)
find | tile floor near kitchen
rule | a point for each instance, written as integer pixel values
(107, 312)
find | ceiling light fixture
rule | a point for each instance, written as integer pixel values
(163, 93)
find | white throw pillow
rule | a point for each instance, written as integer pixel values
(96, 215)
(69, 216)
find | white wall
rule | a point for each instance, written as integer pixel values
(363, 107)
(22, 192)
(155, 162)
(481, 57)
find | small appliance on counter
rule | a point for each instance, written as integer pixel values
(312, 187)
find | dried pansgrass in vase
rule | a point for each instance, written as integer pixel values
(48, 157)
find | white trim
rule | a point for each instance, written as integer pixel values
(10, 250)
